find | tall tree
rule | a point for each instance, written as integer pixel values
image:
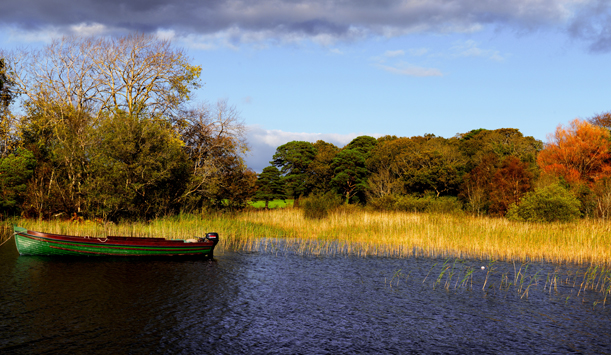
(7, 96)
(503, 142)
(580, 153)
(475, 189)
(270, 185)
(601, 120)
(510, 182)
(214, 139)
(15, 171)
(386, 168)
(432, 164)
(139, 169)
(350, 173)
(104, 74)
(319, 172)
(293, 159)
(364, 144)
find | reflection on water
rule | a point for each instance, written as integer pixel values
(269, 303)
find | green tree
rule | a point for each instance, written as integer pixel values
(15, 171)
(270, 185)
(7, 96)
(350, 173)
(139, 170)
(503, 142)
(364, 144)
(233, 185)
(319, 172)
(293, 159)
(432, 164)
(386, 168)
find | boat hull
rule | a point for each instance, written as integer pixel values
(37, 243)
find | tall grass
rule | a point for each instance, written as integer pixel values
(403, 234)
(361, 232)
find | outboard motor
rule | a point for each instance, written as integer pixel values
(213, 237)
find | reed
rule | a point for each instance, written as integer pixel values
(399, 234)
(361, 232)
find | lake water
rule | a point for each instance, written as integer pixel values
(282, 303)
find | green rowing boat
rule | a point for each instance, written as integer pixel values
(37, 243)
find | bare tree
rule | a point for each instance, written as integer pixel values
(214, 138)
(384, 182)
(97, 74)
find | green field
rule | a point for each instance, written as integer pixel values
(272, 204)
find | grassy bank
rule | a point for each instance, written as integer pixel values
(366, 233)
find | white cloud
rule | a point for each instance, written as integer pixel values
(90, 29)
(410, 70)
(263, 142)
(470, 49)
(391, 54)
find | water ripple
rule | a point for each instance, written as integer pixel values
(284, 304)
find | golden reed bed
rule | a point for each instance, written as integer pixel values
(365, 233)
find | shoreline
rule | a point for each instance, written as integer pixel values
(365, 233)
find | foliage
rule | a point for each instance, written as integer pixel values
(350, 173)
(411, 203)
(509, 183)
(214, 140)
(293, 159)
(233, 186)
(363, 144)
(15, 171)
(601, 120)
(475, 190)
(272, 204)
(502, 142)
(7, 96)
(434, 164)
(317, 206)
(319, 171)
(139, 169)
(107, 122)
(385, 166)
(578, 153)
(546, 204)
(270, 185)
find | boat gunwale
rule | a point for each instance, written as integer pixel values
(101, 245)
(117, 240)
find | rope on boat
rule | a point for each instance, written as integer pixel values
(9, 238)
(102, 241)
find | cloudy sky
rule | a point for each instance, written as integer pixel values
(335, 69)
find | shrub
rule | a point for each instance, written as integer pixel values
(384, 203)
(410, 203)
(444, 204)
(317, 206)
(547, 204)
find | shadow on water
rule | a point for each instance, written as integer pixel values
(281, 302)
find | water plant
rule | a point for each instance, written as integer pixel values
(361, 232)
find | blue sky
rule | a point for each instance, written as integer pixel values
(333, 70)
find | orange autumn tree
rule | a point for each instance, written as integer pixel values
(579, 153)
